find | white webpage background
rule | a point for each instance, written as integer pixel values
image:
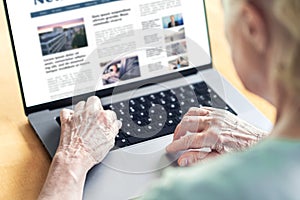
(27, 44)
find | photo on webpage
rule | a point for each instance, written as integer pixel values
(121, 70)
(176, 48)
(179, 63)
(172, 21)
(176, 34)
(62, 36)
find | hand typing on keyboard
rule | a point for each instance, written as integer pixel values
(87, 135)
(216, 129)
(157, 114)
(89, 129)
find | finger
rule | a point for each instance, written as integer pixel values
(191, 157)
(194, 111)
(111, 115)
(215, 111)
(182, 128)
(194, 141)
(119, 124)
(192, 124)
(79, 106)
(194, 157)
(115, 127)
(106, 117)
(65, 114)
(78, 110)
(94, 104)
(208, 108)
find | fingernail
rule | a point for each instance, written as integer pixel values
(167, 148)
(169, 145)
(190, 160)
(120, 124)
(183, 162)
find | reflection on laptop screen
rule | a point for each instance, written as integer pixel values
(70, 47)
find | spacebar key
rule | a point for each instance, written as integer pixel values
(135, 140)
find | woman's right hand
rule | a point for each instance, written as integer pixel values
(88, 131)
(215, 129)
(87, 135)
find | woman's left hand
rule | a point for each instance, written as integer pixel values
(217, 130)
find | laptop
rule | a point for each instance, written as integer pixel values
(148, 60)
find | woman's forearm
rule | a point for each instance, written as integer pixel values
(66, 177)
(87, 135)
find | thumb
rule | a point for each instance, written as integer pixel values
(193, 141)
(194, 157)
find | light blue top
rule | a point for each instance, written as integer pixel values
(269, 171)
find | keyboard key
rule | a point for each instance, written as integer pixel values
(122, 144)
(143, 112)
(136, 140)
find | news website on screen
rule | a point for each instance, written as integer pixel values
(109, 42)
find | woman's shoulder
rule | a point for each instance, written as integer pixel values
(245, 175)
(258, 162)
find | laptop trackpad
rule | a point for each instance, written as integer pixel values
(145, 157)
(128, 172)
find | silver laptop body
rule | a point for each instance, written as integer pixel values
(158, 45)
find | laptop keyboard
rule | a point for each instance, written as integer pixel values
(158, 114)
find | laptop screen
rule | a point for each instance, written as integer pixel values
(70, 47)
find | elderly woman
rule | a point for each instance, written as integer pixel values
(265, 41)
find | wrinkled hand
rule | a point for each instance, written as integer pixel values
(215, 129)
(88, 131)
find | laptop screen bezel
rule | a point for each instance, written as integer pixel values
(106, 92)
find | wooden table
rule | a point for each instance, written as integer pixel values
(23, 160)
